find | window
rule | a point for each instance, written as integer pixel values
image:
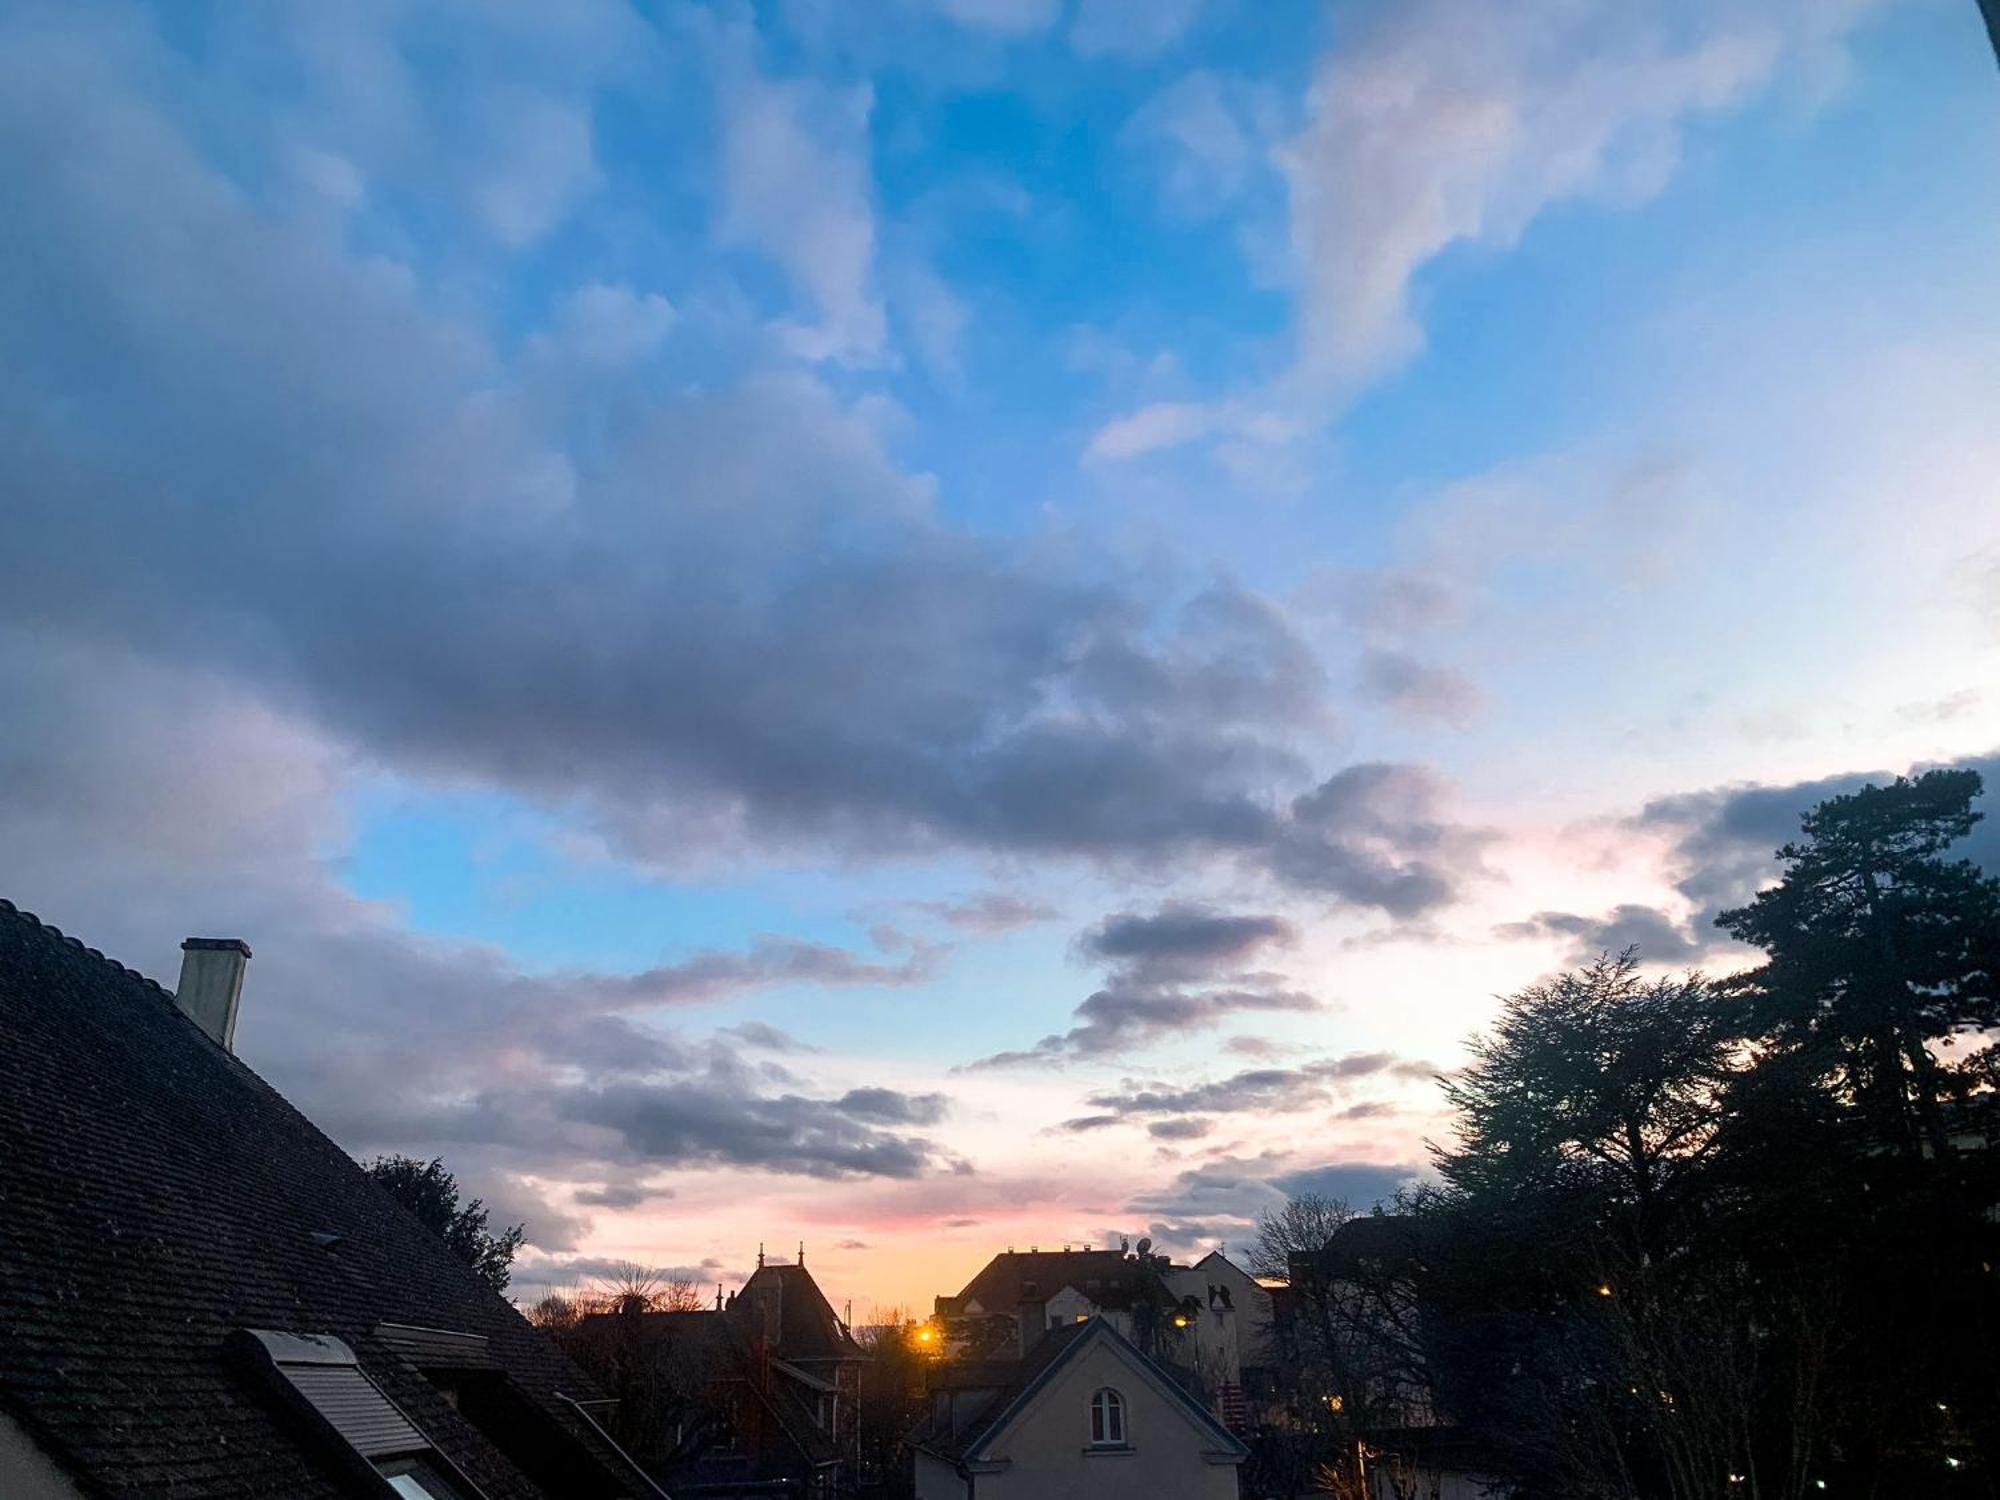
(416, 1480)
(1107, 1419)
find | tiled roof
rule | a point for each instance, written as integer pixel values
(1019, 1376)
(1055, 1349)
(155, 1196)
(1109, 1278)
(807, 1327)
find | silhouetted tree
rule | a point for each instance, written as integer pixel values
(430, 1192)
(1880, 948)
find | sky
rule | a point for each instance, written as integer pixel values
(951, 624)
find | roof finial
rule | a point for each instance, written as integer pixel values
(718, 1296)
(760, 1255)
(802, 1252)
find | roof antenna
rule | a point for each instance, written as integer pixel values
(760, 1255)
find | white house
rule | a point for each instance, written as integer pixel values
(1231, 1326)
(1084, 1416)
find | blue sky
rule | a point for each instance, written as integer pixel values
(768, 614)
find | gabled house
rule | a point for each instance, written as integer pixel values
(1004, 1310)
(202, 1297)
(772, 1377)
(1083, 1414)
(1232, 1337)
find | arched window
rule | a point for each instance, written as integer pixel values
(1107, 1419)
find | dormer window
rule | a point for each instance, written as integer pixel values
(1107, 1419)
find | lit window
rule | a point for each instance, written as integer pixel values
(1107, 1419)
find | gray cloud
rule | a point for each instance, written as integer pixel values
(696, 1122)
(1418, 689)
(1658, 937)
(990, 912)
(1174, 970)
(1180, 1130)
(1722, 839)
(1374, 835)
(145, 805)
(1263, 1090)
(1182, 941)
(1360, 1185)
(713, 619)
(891, 1107)
(1721, 849)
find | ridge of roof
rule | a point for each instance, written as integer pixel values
(49, 929)
(158, 1196)
(1057, 1348)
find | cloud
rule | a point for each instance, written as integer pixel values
(1182, 941)
(1437, 124)
(890, 1107)
(1174, 970)
(1008, 18)
(990, 912)
(1179, 1130)
(1658, 937)
(1419, 690)
(1375, 835)
(145, 804)
(607, 326)
(797, 189)
(765, 1037)
(1722, 840)
(1131, 30)
(664, 630)
(636, 611)
(698, 1122)
(1360, 1185)
(1721, 848)
(1445, 122)
(1262, 1090)
(1209, 135)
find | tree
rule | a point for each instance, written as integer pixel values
(1881, 949)
(1299, 1226)
(1598, 1090)
(430, 1192)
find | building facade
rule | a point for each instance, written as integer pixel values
(1084, 1416)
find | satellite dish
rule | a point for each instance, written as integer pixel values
(1145, 1247)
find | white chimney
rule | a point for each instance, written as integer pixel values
(212, 985)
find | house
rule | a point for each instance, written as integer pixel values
(1003, 1311)
(759, 1395)
(202, 1297)
(1231, 1324)
(1211, 1320)
(1083, 1414)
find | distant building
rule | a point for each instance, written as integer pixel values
(203, 1296)
(771, 1378)
(1211, 1321)
(1005, 1309)
(1083, 1414)
(1233, 1335)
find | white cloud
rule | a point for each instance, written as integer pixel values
(608, 326)
(1436, 123)
(1131, 30)
(1003, 17)
(1210, 134)
(796, 189)
(1451, 121)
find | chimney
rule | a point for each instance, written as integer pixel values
(212, 984)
